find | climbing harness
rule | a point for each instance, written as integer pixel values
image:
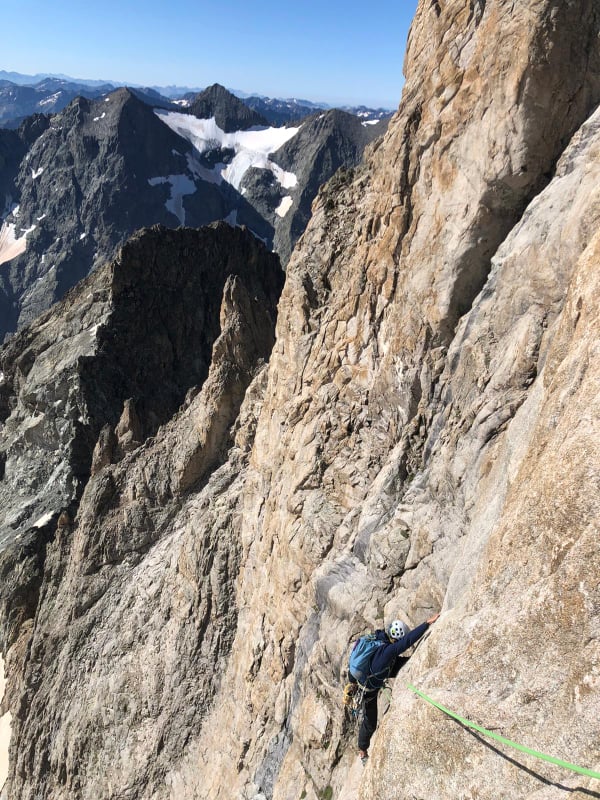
(354, 694)
(353, 702)
(550, 759)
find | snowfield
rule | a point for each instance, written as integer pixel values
(51, 99)
(180, 186)
(284, 206)
(251, 147)
(43, 520)
(10, 246)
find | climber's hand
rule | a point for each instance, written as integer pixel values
(431, 620)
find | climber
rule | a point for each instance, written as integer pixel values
(384, 662)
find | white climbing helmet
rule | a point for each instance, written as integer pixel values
(397, 630)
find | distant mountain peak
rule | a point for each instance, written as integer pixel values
(230, 113)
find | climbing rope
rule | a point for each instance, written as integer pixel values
(550, 759)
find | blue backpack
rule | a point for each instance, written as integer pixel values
(361, 655)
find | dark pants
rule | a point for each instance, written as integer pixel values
(369, 720)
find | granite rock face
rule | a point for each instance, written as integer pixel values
(424, 436)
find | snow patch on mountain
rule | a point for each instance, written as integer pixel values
(283, 207)
(49, 100)
(44, 520)
(251, 147)
(10, 245)
(180, 186)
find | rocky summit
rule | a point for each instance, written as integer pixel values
(202, 508)
(230, 113)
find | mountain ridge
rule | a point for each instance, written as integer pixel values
(66, 89)
(106, 167)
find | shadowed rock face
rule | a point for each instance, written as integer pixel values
(325, 143)
(424, 436)
(115, 360)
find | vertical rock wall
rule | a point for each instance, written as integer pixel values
(4, 732)
(518, 650)
(423, 437)
(373, 490)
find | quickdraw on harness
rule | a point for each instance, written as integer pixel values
(353, 700)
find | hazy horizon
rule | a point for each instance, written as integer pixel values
(336, 54)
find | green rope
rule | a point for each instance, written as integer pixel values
(573, 767)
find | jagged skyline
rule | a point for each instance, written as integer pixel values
(335, 54)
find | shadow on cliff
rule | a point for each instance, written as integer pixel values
(538, 776)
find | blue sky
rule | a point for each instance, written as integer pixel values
(331, 51)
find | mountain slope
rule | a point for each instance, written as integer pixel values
(118, 357)
(326, 142)
(278, 171)
(86, 184)
(105, 168)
